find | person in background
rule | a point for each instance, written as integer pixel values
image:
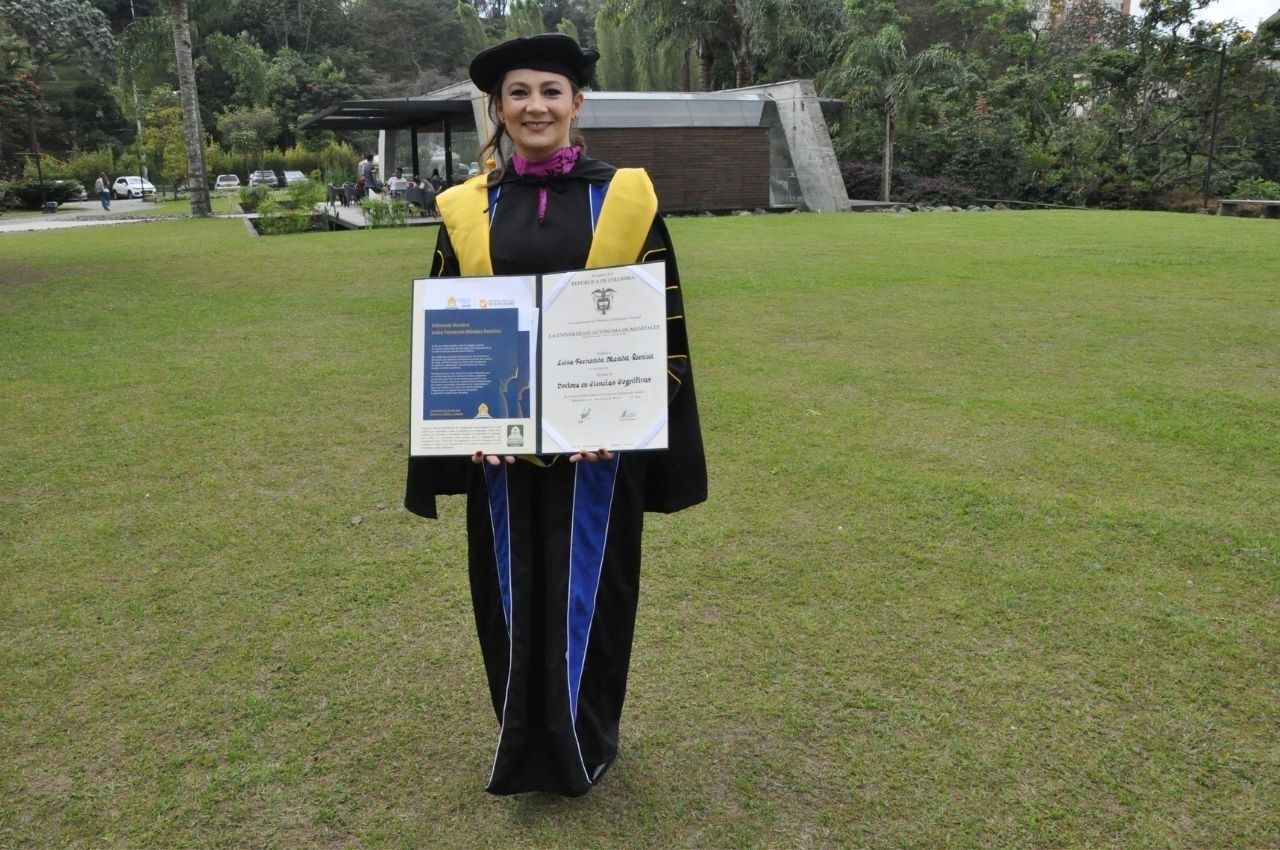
(437, 182)
(397, 184)
(103, 190)
(554, 541)
(369, 174)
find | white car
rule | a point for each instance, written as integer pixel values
(227, 181)
(132, 187)
(291, 177)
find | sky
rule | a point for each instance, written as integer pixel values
(1248, 12)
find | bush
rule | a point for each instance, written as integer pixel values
(277, 219)
(219, 161)
(251, 197)
(86, 165)
(384, 213)
(26, 193)
(337, 163)
(1257, 189)
(50, 166)
(303, 195)
(862, 180)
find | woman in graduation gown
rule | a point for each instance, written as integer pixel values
(554, 541)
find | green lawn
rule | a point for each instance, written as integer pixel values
(991, 557)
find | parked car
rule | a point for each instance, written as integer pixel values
(227, 181)
(267, 178)
(132, 187)
(291, 177)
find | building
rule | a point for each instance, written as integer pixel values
(759, 147)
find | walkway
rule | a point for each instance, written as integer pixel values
(90, 213)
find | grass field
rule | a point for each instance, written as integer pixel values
(991, 557)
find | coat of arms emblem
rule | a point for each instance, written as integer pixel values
(604, 299)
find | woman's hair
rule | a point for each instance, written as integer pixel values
(493, 147)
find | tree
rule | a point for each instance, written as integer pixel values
(245, 62)
(20, 95)
(249, 130)
(163, 137)
(524, 18)
(302, 25)
(877, 72)
(197, 179)
(58, 31)
(297, 86)
(475, 38)
(16, 68)
(736, 42)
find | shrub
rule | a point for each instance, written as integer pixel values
(384, 213)
(86, 165)
(251, 197)
(862, 180)
(26, 193)
(276, 218)
(304, 195)
(337, 163)
(1257, 189)
(50, 166)
(217, 160)
(935, 190)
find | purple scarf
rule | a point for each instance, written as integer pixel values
(560, 162)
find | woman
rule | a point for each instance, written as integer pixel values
(103, 190)
(555, 588)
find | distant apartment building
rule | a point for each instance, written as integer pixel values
(1047, 12)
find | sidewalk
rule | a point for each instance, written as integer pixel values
(90, 213)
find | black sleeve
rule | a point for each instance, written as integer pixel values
(429, 477)
(677, 477)
(444, 263)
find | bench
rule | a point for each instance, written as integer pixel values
(1231, 206)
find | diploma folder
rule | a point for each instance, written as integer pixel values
(539, 364)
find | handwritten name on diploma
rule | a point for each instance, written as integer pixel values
(620, 382)
(588, 361)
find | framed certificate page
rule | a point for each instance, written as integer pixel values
(546, 364)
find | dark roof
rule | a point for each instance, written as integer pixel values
(390, 114)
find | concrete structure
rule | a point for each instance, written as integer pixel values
(809, 143)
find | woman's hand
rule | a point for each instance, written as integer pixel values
(492, 460)
(591, 457)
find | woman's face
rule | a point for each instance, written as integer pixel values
(537, 108)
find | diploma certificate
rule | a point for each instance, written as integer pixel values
(473, 384)
(547, 364)
(604, 359)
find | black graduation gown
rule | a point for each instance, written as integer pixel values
(554, 550)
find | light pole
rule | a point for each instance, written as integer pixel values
(1221, 50)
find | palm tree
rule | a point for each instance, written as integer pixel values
(877, 72)
(711, 27)
(142, 44)
(197, 179)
